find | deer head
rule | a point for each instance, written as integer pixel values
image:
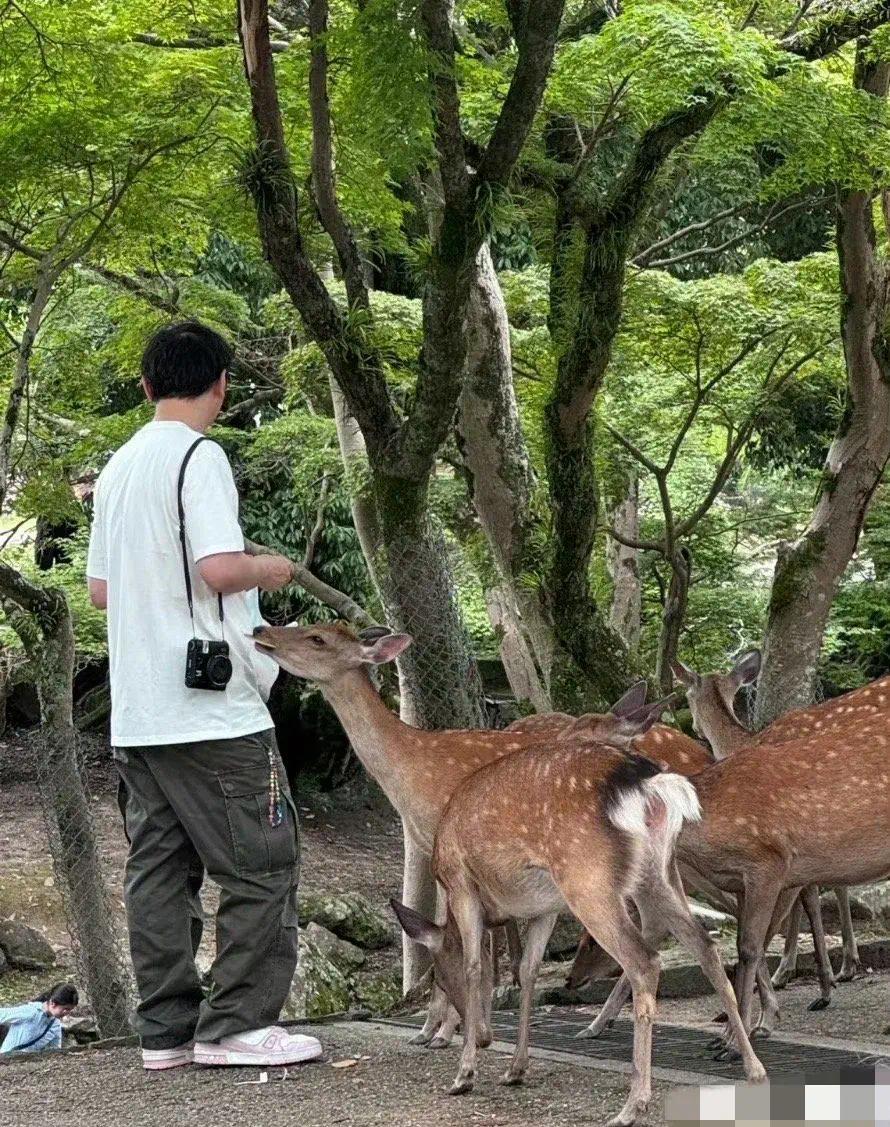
(711, 697)
(325, 651)
(446, 950)
(628, 718)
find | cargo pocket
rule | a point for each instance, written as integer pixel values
(257, 846)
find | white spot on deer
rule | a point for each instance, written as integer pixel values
(514, 746)
(656, 737)
(451, 761)
(588, 785)
(740, 821)
(546, 770)
(523, 829)
(818, 724)
(831, 755)
(881, 698)
(558, 782)
(573, 783)
(476, 760)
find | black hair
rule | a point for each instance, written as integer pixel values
(63, 994)
(183, 361)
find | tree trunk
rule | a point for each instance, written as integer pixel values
(673, 617)
(809, 570)
(40, 299)
(623, 564)
(73, 843)
(502, 487)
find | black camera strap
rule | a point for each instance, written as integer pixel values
(185, 557)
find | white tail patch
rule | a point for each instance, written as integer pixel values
(658, 805)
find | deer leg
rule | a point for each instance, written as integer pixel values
(654, 932)
(787, 968)
(607, 920)
(536, 936)
(762, 891)
(668, 901)
(447, 1029)
(850, 966)
(435, 1016)
(813, 908)
(467, 913)
(493, 939)
(419, 892)
(514, 947)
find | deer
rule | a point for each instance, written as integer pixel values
(771, 825)
(586, 825)
(711, 699)
(417, 769)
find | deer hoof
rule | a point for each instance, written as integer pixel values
(729, 1053)
(848, 972)
(715, 1043)
(720, 1018)
(420, 1039)
(819, 1004)
(439, 1043)
(462, 1085)
(592, 1031)
(512, 1079)
(760, 1033)
(781, 979)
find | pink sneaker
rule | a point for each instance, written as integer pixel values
(157, 1059)
(270, 1046)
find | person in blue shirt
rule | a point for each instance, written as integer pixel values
(35, 1026)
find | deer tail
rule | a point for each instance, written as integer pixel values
(649, 803)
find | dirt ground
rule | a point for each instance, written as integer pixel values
(391, 1082)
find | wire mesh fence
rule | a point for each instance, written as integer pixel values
(97, 937)
(440, 682)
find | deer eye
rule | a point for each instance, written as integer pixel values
(316, 639)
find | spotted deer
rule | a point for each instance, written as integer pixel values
(583, 825)
(711, 699)
(417, 769)
(771, 825)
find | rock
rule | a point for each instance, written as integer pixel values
(564, 940)
(25, 948)
(4, 965)
(348, 915)
(379, 993)
(343, 954)
(318, 987)
(80, 1030)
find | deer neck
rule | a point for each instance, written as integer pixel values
(377, 735)
(726, 735)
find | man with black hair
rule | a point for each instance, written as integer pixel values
(205, 786)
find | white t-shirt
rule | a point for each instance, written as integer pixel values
(135, 547)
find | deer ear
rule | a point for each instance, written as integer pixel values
(386, 648)
(685, 675)
(643, 719)
(747, 669)
(634, 698)
(418, 927)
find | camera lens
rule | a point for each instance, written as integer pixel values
(219, 670)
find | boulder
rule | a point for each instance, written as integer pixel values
(80, 1030)
(25, 948)
(343, 954)
(349, 915)
(565, 938)
(318, 987)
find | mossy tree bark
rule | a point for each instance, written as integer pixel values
(43, 621)
(809, 570)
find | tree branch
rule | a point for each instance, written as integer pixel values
(345, 606)
(832, 31)
(323, 179)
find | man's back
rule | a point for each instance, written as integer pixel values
(135, 547)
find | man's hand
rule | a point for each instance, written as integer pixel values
(273, 572)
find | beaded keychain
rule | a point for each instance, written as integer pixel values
(276, 802)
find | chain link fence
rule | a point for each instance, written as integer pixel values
(440, 682)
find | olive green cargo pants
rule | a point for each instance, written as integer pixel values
(206, 806)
